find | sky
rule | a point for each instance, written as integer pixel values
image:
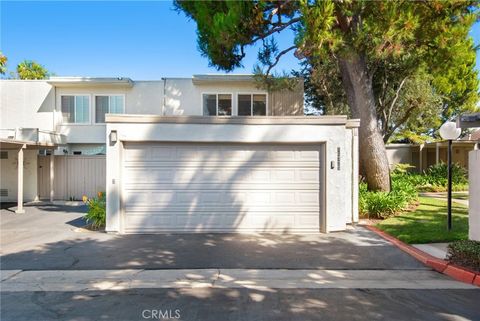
(140, 40)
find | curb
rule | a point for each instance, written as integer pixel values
(454, 271)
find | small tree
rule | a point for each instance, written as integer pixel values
(3, 64)
(29, 69)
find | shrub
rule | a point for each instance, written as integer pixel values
(437, 174)
(96, 214)
(433, 179)
(382, 204)
(465, 253)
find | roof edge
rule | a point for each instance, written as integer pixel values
(241, 120)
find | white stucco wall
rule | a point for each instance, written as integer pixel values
(144, 97)
(183, 97)
(338, 183)
(474, 192)
(399, 154)
(27, 104)
(9, 180)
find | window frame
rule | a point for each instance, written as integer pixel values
(89, 122)
(216, 103)
(108, 95)
(251, 102)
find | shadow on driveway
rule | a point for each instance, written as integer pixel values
(354, 249)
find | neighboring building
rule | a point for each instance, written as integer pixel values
(259, 166)
(424, 155)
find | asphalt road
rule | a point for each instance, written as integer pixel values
(44, 243)
(243, 304)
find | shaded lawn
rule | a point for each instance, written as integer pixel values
(428, 223)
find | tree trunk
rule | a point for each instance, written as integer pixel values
(358, 88)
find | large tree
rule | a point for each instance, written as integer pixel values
(353, 35)
(28, 69)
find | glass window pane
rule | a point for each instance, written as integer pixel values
(116, 105)
(209, 105)
(244, 105)
(224, 105)
(259, 105)
(101, 108)
(81, 109)
(67, 107)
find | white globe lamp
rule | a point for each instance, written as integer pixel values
(449, 131)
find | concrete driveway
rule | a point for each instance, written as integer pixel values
(45, 238)
(50, 271)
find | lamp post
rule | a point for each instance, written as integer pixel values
(450, 132)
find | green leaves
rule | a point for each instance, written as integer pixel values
(3, 64)
(29, 69)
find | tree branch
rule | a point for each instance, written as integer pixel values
(275, 29)
(399, 123)
(277, 58)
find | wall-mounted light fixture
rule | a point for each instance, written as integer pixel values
(113, 137)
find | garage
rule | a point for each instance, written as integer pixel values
(218, 187)
(191, 174)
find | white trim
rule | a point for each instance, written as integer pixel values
(74, 107)
(216, 93)
(251, 101)
(94, 119)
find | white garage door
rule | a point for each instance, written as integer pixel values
(182, 187)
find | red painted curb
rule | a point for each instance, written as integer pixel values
(459, 274)
(476, 281)
(442, 266)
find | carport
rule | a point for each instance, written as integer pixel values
(7, 144)
(193, 174)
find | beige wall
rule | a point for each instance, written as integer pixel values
(37, 104)
(399, 154)
(409, 154)
(75, 176)
(182, 97)
(27, 104)
(287, 102)
(9, 179)
(474, 191)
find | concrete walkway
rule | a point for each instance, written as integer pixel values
(443, 196)
(438, 250)
(30, 281)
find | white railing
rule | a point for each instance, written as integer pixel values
(34, 135)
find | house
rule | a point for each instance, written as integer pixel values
(422, 156)
(210, 153)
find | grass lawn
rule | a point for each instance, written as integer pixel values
(428, 223)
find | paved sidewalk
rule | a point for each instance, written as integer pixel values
(30, 281)
(443, 196)
(438, 250)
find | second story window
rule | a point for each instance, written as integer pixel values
(108, 105)
(217, 104)
(252, 105)
(75, 109)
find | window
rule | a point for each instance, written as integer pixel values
(252, 105)
(3, 154)
(108, 105)
(75, 109)
(217, 104)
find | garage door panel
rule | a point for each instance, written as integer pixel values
(220, 187)
(218, 152)
(259, 198)
(210, 175)
(204, 222)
